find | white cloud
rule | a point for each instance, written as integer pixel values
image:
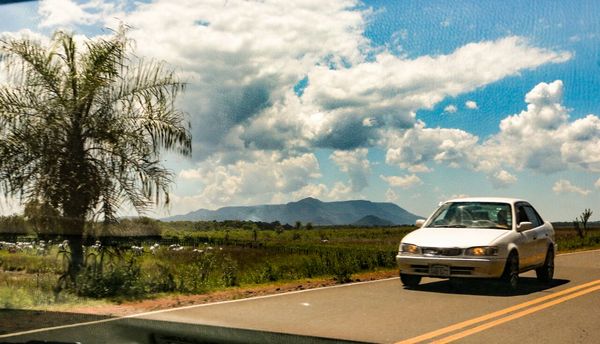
(404, 182)
(67, 13)
(243, 59)
(190, 174)
(597, 183)
(564, 186)
(311, 190)
(502, 179)
(450, 108)
(256, 180)
(392, 88)
(356, 164)
(419, 145)
(540, 139)
(471, 105)
(419, 168)
(340, 191)
(391, 196)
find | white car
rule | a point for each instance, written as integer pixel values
(479, 237)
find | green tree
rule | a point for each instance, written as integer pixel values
(42, 217)
(82, 127)
(13, 224)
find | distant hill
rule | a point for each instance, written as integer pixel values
(373, 221)
(307, 210)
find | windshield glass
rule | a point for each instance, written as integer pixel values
(472, 215)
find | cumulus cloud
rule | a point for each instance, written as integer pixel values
(450, 108)
(502, 179)
(67, 13)
(391, 196)
(597, 183)
(404, 182)
(190, 174)
(391, 88)
(356, 164)
(564, 186)
(254, 132)
(420, 145)
(258, 179)
(471, 105)
(540, 138)
(243, 59)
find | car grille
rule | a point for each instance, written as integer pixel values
(441, 251)
(461, 270)
(454, 270)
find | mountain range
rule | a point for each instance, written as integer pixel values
(359, 212)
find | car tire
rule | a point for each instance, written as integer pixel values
(510, 277)
(546, 272)
(410, 281)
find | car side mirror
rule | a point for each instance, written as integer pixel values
(420, 223)
(523, 226)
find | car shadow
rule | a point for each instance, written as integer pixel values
(527, 285)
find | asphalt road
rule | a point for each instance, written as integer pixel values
(568, 311)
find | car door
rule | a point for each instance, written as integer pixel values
(528, 250)
(540, 235)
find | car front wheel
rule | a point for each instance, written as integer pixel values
(546, 272)
(410, 281)
(510, 277)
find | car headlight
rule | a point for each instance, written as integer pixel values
(410, 248)
(482, 251)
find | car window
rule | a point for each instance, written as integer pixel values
(533, 217)
(472, 215)
(522, 214)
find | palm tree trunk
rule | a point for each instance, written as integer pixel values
(76, 261)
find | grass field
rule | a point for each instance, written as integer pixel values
(192, 261)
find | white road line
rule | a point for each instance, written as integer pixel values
(577, 252)
(188, 307)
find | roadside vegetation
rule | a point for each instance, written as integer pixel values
(201, 257)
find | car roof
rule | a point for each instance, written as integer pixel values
(487, 199)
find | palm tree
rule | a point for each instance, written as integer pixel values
(82, 127)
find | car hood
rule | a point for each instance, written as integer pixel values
(454, 237)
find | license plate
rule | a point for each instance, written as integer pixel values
(439, 270)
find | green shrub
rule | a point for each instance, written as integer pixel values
(121, 280)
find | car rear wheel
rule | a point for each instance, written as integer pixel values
(546, 272)
(510, 277)
(410, 281)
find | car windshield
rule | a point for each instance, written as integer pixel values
(472, 215)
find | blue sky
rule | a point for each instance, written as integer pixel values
(411, 102)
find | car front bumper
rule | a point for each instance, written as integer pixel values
(458, 267)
